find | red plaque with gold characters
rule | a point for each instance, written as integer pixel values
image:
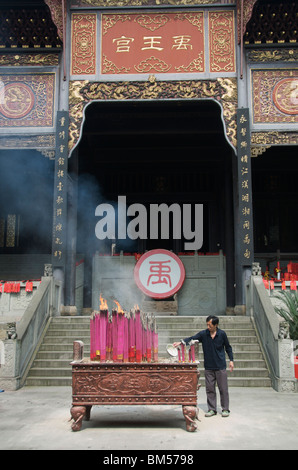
(152, 43)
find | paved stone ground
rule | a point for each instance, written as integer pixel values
(37, 418)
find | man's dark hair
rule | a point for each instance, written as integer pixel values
(213, 318)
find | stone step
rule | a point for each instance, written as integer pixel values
(68, 355)
(52, 363)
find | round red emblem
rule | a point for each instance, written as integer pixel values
(285, 95)
(159, 274)
(16, 100)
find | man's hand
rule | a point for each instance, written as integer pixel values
(231, 366)
(176, 344)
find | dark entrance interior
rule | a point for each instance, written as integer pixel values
(275, 195)
(155, 152)
(26, 202)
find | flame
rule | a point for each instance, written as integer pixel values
(136, 307)
(103, 303)
(119, 308)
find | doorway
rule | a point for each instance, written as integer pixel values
(155, 152)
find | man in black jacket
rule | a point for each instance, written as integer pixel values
(215, 343)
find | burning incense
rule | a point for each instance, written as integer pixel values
(122, 336)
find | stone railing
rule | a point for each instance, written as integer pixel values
(273, 333)
(24, 337)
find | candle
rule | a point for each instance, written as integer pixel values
(125, 340)
(92, 337)
(138, 326)
(183, 351)
(109, 339)
(132, 338)
(120, 336)
(103, 316)
(155, 342)
(179, 355)
(97, 340)
(114, 334)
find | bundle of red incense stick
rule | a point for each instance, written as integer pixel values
(122, 336)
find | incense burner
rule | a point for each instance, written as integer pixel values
(95, 383)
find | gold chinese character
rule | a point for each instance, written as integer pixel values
(59, 200)
(58, 228)
(58, 241)
(181, 42)
(61, 161)
(246, 211)
(243, 144)
(62, 134)
(245, 184)
(60, 186)
(152, 43)
(243, 119)
(123, 43)
(244, 171)
(246, 225)
(247, 253)
(62, 147)
(59, 212)
(60, 174)
(243, 131)
(245, 197)
(246, 239)
(62, 121)
(58, 254)
(244, 158)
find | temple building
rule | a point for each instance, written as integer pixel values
(113, 109)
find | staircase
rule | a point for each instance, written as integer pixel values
(51, 366)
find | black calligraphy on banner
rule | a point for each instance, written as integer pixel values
(60, 190)
(245, 228)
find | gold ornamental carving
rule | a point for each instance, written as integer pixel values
(123, 3)
(273, 55)
(274, 138)
(29, 59)
(83, 92)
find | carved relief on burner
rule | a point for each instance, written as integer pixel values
(132, 383)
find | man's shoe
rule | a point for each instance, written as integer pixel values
(225, 413)
(210, 413)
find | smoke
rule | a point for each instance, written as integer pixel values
(90, 195)
(26, 190)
